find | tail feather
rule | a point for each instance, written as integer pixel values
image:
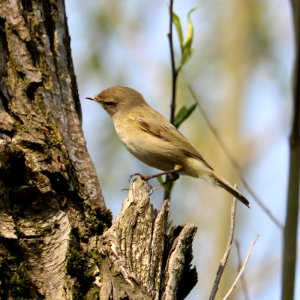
(226, 186)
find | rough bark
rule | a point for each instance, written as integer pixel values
(48, 184)
(141, 260)
(52, 213)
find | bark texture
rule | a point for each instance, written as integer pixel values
(48, 184)
(52, 213)
(141, 260)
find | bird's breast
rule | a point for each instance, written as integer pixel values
(150, 149)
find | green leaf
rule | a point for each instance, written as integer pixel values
(188, 40)
(183, 114)
(177, 23)
(190, 32)
(186, 55)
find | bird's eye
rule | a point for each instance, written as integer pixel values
(109, 103)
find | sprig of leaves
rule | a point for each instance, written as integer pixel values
(186, 53)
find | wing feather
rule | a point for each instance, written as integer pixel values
(164, 130)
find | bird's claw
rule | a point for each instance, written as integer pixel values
(143, 177)
(134, 175)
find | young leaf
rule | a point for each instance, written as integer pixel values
(186, 55)
(183, 114)
(187, 44)
(177, 23)
(190, 32)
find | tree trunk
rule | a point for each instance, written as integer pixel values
(52, 213)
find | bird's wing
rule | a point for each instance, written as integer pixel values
(164, 130)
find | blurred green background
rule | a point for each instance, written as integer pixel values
(241, 70)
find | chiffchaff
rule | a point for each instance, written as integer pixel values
(154, 140)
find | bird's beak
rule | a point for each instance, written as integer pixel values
(91, 98)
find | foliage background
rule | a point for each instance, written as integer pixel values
(241, 69)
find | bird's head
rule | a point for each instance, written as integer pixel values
(118, 99)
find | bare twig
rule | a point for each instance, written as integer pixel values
(233, 161)
(227, 251)
(292, 210)
(243, 283)
(241, 270)
(174, 72)
(173, 65)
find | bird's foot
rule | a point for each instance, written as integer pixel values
(150, 191)
(143, 177)
(145, 180)
(172, 176)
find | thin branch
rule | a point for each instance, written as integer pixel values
(241, 270)
(227, 252)
(173, 65)
(292, 210)
(233, 161)
(243, 283)
(174, 72)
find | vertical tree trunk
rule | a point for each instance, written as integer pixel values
(48, 184)
(52, 213)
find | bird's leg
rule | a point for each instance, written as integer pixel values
(173, 177)
(146, 178)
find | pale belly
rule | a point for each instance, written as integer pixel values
(149, 149)
(153, 153)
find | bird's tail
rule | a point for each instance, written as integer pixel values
(226, 186)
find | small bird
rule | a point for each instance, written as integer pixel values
(154, 140)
